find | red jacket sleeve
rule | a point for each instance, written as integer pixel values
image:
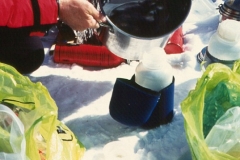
(22, 13)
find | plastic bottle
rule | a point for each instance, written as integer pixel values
(224, 45)
(154, 72)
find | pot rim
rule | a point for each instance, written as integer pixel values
(134, 36)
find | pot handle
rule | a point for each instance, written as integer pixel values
(106, 25)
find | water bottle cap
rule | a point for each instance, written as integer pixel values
(230, 9)
(229, 30)
(154, 58)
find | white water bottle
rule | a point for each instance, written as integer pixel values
(224, 45)
(154, 72)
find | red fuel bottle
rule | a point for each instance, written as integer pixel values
(175, 42)
(86, 55)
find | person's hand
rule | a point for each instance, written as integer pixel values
(79, 14)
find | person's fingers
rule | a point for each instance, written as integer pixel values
(99, 17)
(93, 23)
(97, 25)
(80, 14)
(97, 14)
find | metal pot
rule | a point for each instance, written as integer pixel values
(130, 44)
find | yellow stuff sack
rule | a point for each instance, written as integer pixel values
(216, 92)
(46, 137)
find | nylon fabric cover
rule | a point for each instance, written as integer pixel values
(134, 105)
(219, 88)
(131, 104)
(46, 137)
